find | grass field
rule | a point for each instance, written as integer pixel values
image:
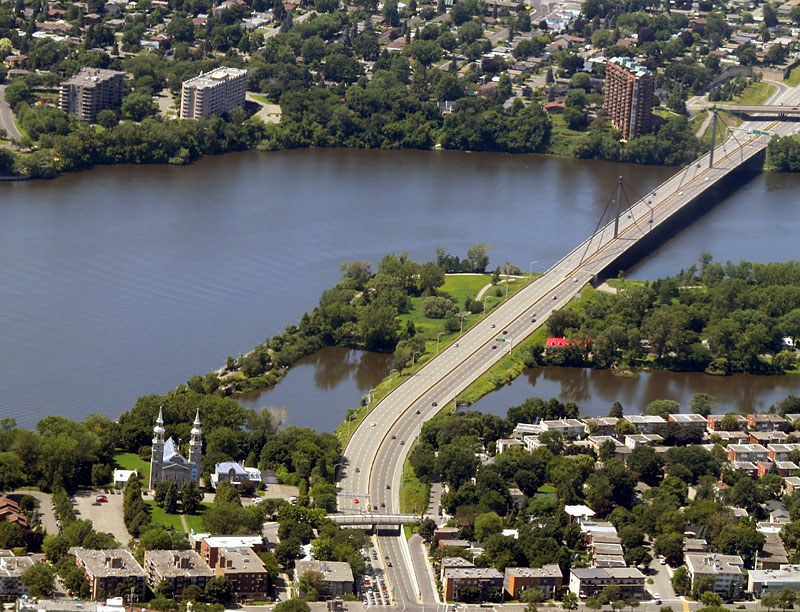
(132, 461)
(794, 77)
(195, 521)
(162, 518)
(261, 98)
(562, 138)
(755, 93)
(414, 494)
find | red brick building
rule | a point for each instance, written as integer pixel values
(628, 96)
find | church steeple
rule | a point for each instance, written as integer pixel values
(196, 449)
(157, 454)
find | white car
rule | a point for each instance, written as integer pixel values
(372, 424)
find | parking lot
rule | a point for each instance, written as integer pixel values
(372, 585)
(107, 516)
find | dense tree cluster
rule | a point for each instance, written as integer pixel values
(720, 318)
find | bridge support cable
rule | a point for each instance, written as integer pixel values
(632, 210)
(619, 203)
(713, 139)
(601, 227)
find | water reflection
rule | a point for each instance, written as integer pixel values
(596, 390)
(318, 389)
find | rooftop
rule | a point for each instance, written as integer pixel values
(535, 572)
(108, 562)
(473, 572)
(332, 571)
(175, 563)
(233, 541)
(240, 559)
(704, 563)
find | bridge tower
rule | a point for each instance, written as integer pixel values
(619, 204)
(713, 138)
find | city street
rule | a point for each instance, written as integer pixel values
(7, 116)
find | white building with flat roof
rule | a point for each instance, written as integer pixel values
(213, 93)
(766, 582)
(725, 570)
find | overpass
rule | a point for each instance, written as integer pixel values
(373, 519)
(774, 110)
(376, 449)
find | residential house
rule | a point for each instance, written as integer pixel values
(569, 428)
(791, 484)
(724, 570)
(634, 441)
(10, 512)
(517, 497)
(180, 568)
(767, 437)
(603, 426)
(504, 444)
(105, 569)
(445, 533)
(697, 421)
(781, 452)
(547, 579)
(121, 477)
(747, 452)
(714, 421)
(766, 422)
(235, 473)
(336, 577)
(773, 554)
(450, 562)
(644, 423)
(732, 437)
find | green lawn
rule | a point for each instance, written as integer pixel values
(794, 77)
(261, 98)
(195, 521)
(132, 461)
(414, 494)
(755, 93)
(562, 138)
(162, 518)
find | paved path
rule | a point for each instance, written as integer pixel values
(268, 113)
(7, 116)
(606, 288)
(48, 517)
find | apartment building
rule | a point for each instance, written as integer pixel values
(180, 568)
(628, 96)
(90, 91)
(587, 581)
(603, 426)
(781, 452)
(634, 441)
(503, 444)
(773, 581)
(747, 452)
(105, 569)
(724, 570)
(766, 422)
(244, 570)
(211, 545)
(450, 562)
(487, 580)
(644, 423)
(714, 421)
(11, 568)
(767, 437)
(213, 93)
(547, 579)
(732, 437)
(570, 428)
(697, 421)
(336, 576)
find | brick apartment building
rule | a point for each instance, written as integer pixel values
(628, 96)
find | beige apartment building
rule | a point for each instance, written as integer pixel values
(90, 91)
(213, 93)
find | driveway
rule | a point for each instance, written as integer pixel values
(7, 121)
(106, 517)
(48, 517)
(661, 580)
(268, 113)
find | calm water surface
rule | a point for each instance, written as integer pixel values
(125, 281)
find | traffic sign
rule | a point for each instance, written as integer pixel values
(501, 339)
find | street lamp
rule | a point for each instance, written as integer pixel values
(462, 316)
(530, 273)
(414, 358)
(439, 335)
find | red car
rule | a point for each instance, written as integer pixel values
(101, 498)
(356, 500)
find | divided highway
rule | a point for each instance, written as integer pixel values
(371, 469)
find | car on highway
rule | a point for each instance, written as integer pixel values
(505, 331)
(455, 345)
(493, 326)
(372, 424)
(357, 470)
(555, 297)
(494, 346)
(434, 403)
(574, 279)
(416, 411)
(382, 506)
(394, 436)
(355, 500)
(388, 486)
(388, 564)
(402, 441)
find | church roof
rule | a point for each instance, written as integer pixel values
(171, 451)
(226, 466)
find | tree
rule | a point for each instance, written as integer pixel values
(137, 106)
(670, 546)
(786, 598)
(478, 257)
(569, 601)
(709, 598)
(703, 404)
(487, 524)
(167, 496)
(39, 579)
(662, 408)
(292, 605)
(218, 590)
(12, 471)
(681, 581)
(191, 497)
(431, 277)
(770, 601)
(309, 585)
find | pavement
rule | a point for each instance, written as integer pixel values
(165, 103)
(268, 113)
(48, 517)
(7, 118)
(107, 517)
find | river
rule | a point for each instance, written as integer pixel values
(127, 280)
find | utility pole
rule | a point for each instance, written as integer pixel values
(713, 139)
(619, 204)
